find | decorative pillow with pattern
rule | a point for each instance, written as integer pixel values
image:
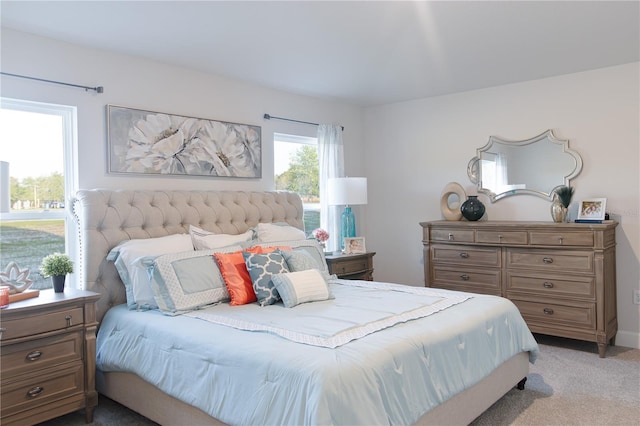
(188, 280)
(261, 267)
(301, 287)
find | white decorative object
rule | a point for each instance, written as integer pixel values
(15, 278)
(449, 211)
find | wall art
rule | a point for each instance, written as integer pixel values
(148, 142)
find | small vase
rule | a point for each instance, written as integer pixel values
(558, 211)
(472, 209)
(58, 283)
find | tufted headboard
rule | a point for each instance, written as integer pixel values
(107, 217)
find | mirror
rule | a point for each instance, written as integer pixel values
(534, 166)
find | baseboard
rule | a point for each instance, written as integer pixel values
(628, 339)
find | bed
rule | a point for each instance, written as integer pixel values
(446, 363)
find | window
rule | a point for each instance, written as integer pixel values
(38, 178)
(296, 168)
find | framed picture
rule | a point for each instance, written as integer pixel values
(592, 209)
(354, 245)
(155, 143)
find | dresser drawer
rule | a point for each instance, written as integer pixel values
(444, 277)
(553, 314)
(36, 324)
(581, 238)
(550, 260)
(453, 235)
(38, 388)
(466, 255)
(40, 353)
(497, 237)
(552, 284)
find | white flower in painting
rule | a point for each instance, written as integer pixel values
(158, 142)
(230, 149)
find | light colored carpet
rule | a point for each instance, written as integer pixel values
(568, 385)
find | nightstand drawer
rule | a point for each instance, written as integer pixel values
(350, 266)
(545, 260)
(50, 321)
(463, 255)
(551, 314)
(40, 353)
(38, 388)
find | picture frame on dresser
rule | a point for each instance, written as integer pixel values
(592, 210)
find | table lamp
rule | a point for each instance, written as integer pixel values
(347, 191)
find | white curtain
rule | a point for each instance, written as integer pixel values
(331, 157)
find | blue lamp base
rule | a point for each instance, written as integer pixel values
(347, 225)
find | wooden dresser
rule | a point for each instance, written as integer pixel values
(562, 276)
(48, 357)
(352, 266)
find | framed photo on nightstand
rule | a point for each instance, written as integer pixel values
(354, 245)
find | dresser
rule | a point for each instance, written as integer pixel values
(351, 266)
(48, 356)
(561, 276)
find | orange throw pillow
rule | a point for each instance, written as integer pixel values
(236, 278)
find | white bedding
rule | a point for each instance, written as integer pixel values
(391, 376)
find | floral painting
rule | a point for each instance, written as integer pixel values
(149, 142)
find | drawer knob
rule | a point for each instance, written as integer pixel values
(68, 318)
(547, 260)
(464, 277)
(464, 255)
(450, 236)
(34, 356)
(33, 392)
(547, 284)
(548, 311)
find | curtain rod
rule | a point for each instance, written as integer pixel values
(98, 89)
(269, 117)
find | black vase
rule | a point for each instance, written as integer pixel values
(58, 283)
(472, 209)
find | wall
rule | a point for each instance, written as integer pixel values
(139, 83)
(414, 148)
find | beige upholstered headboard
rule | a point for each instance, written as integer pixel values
(107, 217)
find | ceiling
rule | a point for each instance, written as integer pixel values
(360, 52)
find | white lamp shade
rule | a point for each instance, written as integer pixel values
(347, 191)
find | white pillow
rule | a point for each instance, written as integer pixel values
(205, 240)
(301, 287)
(269, 232)
(131, 259)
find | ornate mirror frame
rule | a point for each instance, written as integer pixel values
(534, 160)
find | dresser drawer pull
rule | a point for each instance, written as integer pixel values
(547, 284)
(548, 311)
(547, 260)
(33, 392)
(33, 356)
(464, 255)
(464, 277)
(68, 318)
(450, 236)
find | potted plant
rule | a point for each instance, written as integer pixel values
(56, 266)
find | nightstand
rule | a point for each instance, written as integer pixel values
(48, 357)
(352, 266)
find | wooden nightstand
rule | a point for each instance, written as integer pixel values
(48, 359)
(352, 266)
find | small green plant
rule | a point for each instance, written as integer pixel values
(56, 264)
(564, 194)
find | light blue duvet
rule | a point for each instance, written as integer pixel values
(390, 376)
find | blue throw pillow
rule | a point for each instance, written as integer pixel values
(261, 267)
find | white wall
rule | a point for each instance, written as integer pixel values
(414, 148)
(139, 83)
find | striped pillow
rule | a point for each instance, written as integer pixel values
(301, 287)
